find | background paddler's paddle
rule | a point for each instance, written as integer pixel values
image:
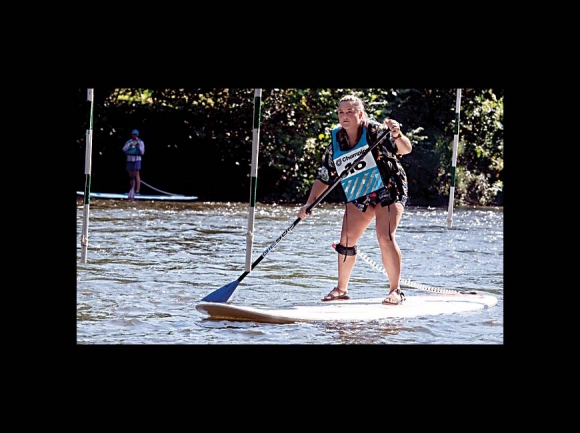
(224, 293)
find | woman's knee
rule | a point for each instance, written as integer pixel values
(386, 241)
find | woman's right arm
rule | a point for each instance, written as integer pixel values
(318, 187)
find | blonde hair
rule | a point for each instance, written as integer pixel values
(358, 103)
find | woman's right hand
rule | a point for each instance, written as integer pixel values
(302, 211)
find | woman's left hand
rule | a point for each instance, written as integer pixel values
(393, 125)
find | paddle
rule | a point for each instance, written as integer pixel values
(224, 293)
(158, 190)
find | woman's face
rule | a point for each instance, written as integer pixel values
(348, 115)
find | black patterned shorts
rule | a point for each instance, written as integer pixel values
(382, 196)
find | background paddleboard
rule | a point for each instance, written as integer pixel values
(352, 309)
(114, 196)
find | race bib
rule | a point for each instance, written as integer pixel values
(363, 178)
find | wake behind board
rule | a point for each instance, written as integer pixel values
(125, 196)
(352, 309)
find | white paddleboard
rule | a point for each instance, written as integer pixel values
(125, 196)
(352, 309)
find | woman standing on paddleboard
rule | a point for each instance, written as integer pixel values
(376, 188)
(134, 148)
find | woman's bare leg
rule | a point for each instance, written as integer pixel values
(390, 251)
(354, 224)
(138, 181)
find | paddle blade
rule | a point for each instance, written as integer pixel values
(222, 294)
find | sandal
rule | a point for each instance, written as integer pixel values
(340, 295)
(391, 300)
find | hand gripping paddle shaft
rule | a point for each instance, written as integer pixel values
(224, 293)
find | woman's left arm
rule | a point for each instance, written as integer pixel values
(403, 144)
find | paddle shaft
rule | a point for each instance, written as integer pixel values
(158, 190)
(309, 208)
(223, 294)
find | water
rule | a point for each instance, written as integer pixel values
(150, 263)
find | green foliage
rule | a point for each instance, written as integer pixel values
(481, 159)
(199, 140)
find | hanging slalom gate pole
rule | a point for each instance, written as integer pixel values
(87, 196)
(454, 160)
(253, 177)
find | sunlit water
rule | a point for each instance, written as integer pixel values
(150, 263)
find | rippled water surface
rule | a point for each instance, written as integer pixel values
(150, 263)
